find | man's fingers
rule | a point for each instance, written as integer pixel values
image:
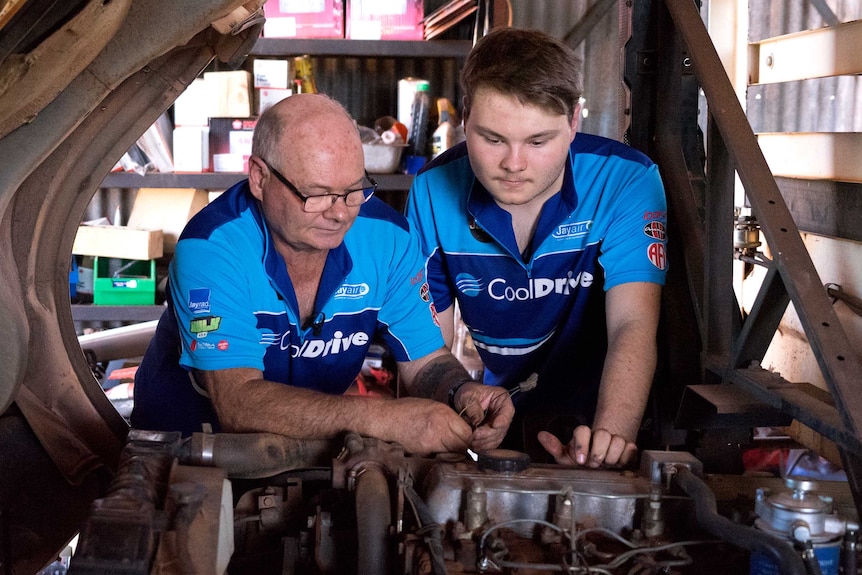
(581, 442)
(555, 448)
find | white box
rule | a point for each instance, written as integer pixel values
(191, 149)
(271, 73)
(192, 107)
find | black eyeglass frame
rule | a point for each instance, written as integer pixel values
(287, 183)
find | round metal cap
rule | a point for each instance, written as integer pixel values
(505, 460)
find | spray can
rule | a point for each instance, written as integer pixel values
(805, 521)
(418, 130)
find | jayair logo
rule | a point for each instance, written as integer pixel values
(468, 285)
(573, 230)
(199, 300)
(352, 291)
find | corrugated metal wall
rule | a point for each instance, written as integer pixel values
(817, 105)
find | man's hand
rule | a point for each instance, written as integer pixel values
(424, 426)
(590, 449)
(488, 409)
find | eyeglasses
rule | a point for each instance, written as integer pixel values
(323, 202)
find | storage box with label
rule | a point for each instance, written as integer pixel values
(385, 19)
(230, 143)
(304, 19)
(124, 282)
(272, 73)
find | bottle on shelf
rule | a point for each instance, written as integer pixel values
(443, 137)
(418, 134)
(303, 82)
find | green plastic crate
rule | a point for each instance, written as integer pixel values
(124, 282)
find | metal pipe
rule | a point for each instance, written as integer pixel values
(254, 455)
(780, 552)
(374, 517)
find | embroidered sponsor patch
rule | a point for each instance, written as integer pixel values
(199, 300)
(425, 292)
(468, 285)
(352, 291)
(223, 345)
(657, 255)
(205, 324)
(655, 230)
(573, 230)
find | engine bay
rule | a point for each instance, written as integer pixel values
(266, 504)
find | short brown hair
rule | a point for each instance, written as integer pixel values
(531, 65)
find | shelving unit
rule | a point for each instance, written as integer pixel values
(361, 74)
(219, 181)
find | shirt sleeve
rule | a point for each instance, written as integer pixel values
(634, 248)
(211, 294)
(407, 307)
(420, 214)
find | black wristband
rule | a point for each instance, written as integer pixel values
(453, 390)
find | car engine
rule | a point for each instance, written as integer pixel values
(265, 504)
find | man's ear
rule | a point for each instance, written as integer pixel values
(258, 174)
(576, 119)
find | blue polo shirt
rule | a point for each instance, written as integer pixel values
(542, 311)
(231, 304)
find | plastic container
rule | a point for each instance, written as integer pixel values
(124, 282)
(382, 158)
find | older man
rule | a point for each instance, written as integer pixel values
(279, 287)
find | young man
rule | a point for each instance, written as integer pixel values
(552, 245)
(277, 290)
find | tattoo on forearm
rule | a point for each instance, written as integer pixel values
(438, 376)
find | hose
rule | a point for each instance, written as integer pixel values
(782, 554)
(430, 530)
(373, 516)
(254, 455)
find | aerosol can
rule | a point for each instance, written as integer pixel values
(808, 523)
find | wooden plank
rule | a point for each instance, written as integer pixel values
(832, 51)
(814, 156)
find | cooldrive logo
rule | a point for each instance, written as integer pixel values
(468, 285)
(352, 291)
(199, 300)
(323, 347)
(500, 289)
(573, 230)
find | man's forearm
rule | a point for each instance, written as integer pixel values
(434, 376)
(626, 382)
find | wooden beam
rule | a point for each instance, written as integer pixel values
(832, 51)
(814, 156)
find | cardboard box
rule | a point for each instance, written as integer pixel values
(385, 20)
(124, 282)
(271, 73)
(229, 94)
(230, 143)
(119, 242)
(167, 208)
(191, 149)
(304, 19)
